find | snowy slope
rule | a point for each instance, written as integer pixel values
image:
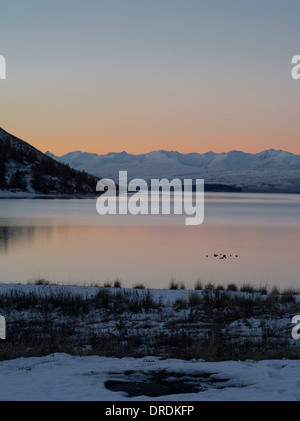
(266, 171)
(26, 172)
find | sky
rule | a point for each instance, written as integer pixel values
(140, 75)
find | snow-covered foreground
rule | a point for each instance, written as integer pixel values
(90, 377)
(61, 377)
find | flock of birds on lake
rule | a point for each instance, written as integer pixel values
(222, 256)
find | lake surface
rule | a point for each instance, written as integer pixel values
(67, 241)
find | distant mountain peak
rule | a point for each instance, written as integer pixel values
(50, 154)
(269, 170)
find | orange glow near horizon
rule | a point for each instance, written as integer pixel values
(136, 142)
(218, 121)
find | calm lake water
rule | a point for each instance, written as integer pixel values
(66, 241)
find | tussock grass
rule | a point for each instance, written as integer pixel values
(194, 299)
(247, 288)
(173, 284)
(232, 287)
(198, 285)
(134, 322)
(209, 286)
(117, 283)
(138, 286)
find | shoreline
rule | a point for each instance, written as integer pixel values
(27, 195)
(177, 288)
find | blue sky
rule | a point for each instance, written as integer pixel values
(138, 75)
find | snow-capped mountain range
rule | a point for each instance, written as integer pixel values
(270, 170)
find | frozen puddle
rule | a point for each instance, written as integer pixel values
(162, 383)
(62, 377)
